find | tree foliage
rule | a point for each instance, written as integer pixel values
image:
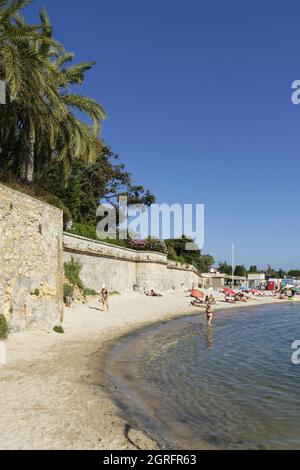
(270, 272)
(225, 268)
(50, 134)
(294, 273)
(240, 270)
(177, 252)
(89, 184)
(38, 123)
(281, 274)
(253, 269)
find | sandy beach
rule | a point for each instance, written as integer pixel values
(52, 388)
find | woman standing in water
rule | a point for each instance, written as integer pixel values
(104, 297)
(209, 314)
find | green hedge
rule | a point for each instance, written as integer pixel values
(88, 231)
(178, 259)
(82, 230)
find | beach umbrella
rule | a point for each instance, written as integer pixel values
(229, 291)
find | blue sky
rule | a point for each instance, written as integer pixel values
(198, 94)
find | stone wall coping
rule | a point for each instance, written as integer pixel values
(184, 267)
(111, 245)
(170, 264)
(36, 199)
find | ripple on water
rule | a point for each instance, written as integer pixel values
(233, 386)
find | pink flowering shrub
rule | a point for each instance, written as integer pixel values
(150, 244)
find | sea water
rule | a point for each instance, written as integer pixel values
(232, 386)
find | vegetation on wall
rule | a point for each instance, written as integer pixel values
(72, 271)
(84, 230)
(150, 244)
(88, 231)
(58, 329)
(4, 328)
(68, 290)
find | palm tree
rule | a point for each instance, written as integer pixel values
(77, 139)
(38, 121)
(29, 93)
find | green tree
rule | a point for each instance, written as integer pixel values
(294, 273)
(225, 268)
(38, 123)
(177, 252)
(90, 183)
(253, 269)
(28, 77)
(270, 272)
(73, 197)
(240, 270)
(281, 274)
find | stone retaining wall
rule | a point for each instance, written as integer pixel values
(121, 268)
(33, 248)
(31, 274)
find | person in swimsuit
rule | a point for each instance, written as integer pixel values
(104, 297)
(152, 293)
(209, 314)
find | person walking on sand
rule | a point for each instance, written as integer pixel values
(104, 297)
(209, 314)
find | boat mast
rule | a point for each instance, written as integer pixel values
(233, 267)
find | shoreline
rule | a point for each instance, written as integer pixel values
(55, 386)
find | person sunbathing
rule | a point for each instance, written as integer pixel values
(229, 299)
(198, 302)
(240, 297)
(152, 293)
(283, 296)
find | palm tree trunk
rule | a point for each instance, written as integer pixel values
(27, 170)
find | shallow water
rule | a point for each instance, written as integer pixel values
(230, 387)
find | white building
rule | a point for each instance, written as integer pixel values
(212, 279)
(256, 279)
